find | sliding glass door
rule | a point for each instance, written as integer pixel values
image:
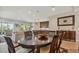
(6, 28)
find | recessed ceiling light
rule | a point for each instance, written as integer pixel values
(53, 8)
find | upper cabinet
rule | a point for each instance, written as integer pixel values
(44, 24)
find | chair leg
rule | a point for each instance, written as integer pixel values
(63, 50)
(32, 51)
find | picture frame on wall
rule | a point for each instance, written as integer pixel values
(66, 21)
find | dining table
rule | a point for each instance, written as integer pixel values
(35, 43)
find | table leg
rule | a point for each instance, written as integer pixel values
(38, 50)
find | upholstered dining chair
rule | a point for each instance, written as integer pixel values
(28, 35)
(12, 48)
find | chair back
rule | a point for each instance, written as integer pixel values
(10, 45)
(56, 42)
(28, 35)
(60, 38)
(53, 46)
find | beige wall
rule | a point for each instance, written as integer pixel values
(37, 26)
(53, 23)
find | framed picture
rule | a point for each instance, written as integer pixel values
(66, 21)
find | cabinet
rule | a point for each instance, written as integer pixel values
(69, 35)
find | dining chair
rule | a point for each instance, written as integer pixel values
(28, 35)
(12, 48)
(61, 38)
(54, 47)
(56, 43)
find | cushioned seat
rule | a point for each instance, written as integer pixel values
(4, 49)
(22, 50)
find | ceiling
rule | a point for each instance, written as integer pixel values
(33, 13)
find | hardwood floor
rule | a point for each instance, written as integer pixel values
(45, 49)
(72, 47)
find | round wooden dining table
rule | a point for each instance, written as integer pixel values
(35, 43)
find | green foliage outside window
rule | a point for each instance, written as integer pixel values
(24, 27)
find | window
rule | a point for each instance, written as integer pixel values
(9, 29)
(6, 28)
(24, 27)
